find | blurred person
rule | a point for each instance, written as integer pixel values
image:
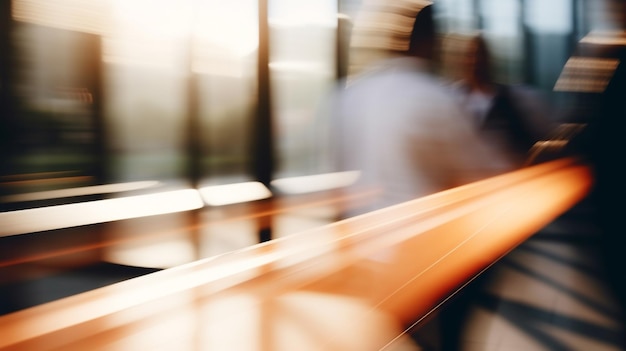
(511, 118)
(396, 123)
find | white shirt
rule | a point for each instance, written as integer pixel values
(406, 134)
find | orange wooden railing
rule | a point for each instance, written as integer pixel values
(352, 285)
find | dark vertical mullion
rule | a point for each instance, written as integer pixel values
(478, 14)
(342, 42)
(263, 162)
(263, 150)
(101, 151)
(195, 135)
(7, 118)
(575, 35)
(583, 21)
(194, 132)
(529, 52)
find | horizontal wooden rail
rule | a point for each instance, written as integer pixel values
(351, 285)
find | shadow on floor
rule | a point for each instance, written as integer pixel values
(33, 292)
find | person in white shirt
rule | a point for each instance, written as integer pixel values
(399, 127)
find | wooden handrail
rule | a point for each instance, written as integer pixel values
(380, 271)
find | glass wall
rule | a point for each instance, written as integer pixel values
(551, 34)
(224, 88)
(158, 94)
(303, 36)
(146, 64)
(52, 122)
(179, 82)
(530, 40)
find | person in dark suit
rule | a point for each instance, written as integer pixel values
(511, 118)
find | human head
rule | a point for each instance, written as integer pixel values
(423, 35)
(477, 68)
(388, 28)
(465, 57)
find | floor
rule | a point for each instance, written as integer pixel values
(33, 292)
(548, 294)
